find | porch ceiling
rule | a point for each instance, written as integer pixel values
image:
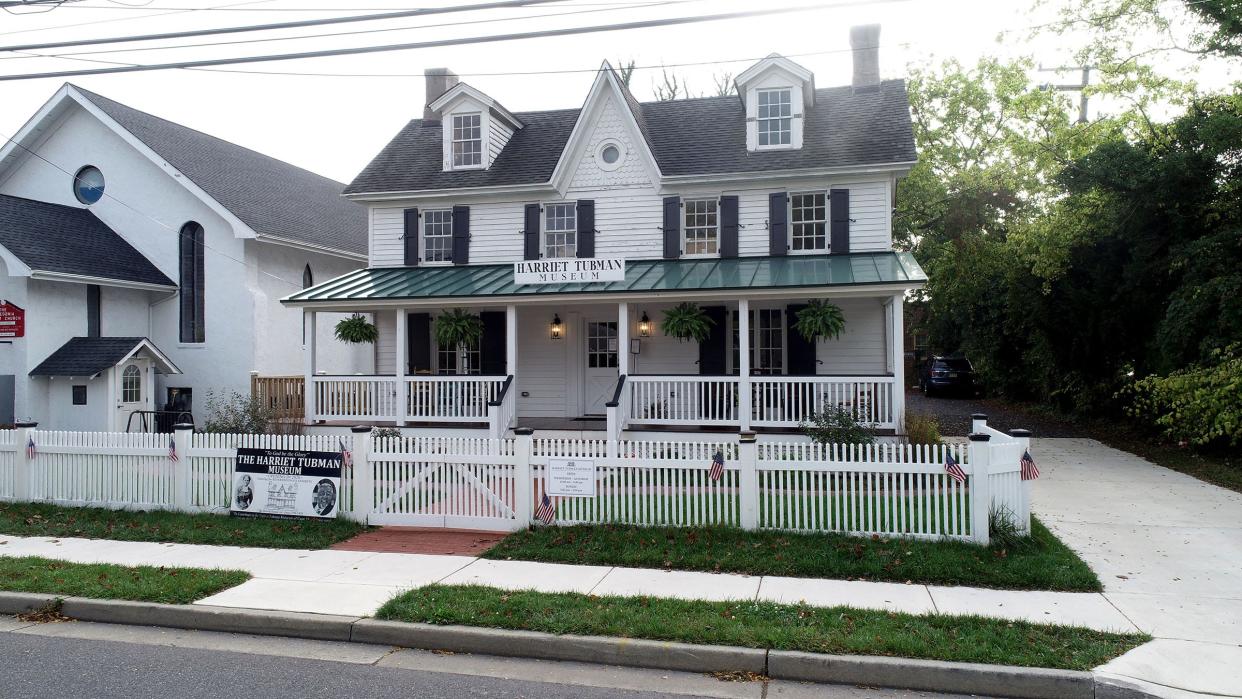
(472, 282)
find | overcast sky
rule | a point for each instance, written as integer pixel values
(334, 125)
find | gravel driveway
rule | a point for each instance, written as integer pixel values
(954, 415)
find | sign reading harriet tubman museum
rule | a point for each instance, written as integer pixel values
(569, 269)
(286, 483)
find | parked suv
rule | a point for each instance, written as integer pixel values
(945, 375)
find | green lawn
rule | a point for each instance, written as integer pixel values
(33, 519)
(1043, 564)
(106, 581)
(837, 630)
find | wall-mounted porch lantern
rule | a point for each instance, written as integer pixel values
(557, 329)
(644, 326)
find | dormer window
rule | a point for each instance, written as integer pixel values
(775, 117)
(467, 140)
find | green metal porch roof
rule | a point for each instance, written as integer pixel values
(641, 276)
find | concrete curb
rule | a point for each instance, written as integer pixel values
(897, 673)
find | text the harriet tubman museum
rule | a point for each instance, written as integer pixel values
(603, 269)
(284, 465)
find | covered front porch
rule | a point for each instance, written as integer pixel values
(588, 359)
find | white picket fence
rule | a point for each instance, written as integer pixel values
(896, 490)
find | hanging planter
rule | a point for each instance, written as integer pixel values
(820, 319)
(686, 321)
(356, 330)
(458, 328)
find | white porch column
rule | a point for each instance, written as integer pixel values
(511, 342)
(623, 338)
(743, 364)
(401, 347)
(897, 346)
(308, 364)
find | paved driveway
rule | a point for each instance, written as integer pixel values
(1168, 549)
(954, 415)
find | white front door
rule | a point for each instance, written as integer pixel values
(133, 393)
(600, 374)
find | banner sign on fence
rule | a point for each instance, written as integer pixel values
(574, 478)
(286, 483)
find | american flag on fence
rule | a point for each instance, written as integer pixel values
(717, 470)
(31, 451)
(953, 468)
(347, 457)
(172, 450)
(547, 511)
(1029, 470)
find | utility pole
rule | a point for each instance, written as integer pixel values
(1080, 87)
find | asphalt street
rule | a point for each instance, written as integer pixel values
(74, 659)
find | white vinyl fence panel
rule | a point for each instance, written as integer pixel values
(8, 447)
(102, 469)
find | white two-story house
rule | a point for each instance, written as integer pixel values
(142, 265)
(570, 234)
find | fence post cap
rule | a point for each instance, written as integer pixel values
(524, 431)
(978, 416)
(360, 429)
(1019, 433)
(977, 437)
(26, 424)
(183, 426)
(746, 436)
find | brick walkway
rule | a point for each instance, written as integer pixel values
(444, 542)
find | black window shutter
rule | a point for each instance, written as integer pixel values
(530, 233)
(586, 228)
(92, 310)
(461, 235)
(418, 339)
(778, 223)
(411, 237)
(672, 228)
(712, 350)
(839, 206)
(801, 351)
(492, 348)
(728, 226)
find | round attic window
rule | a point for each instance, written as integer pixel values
(610, 155)
(88, 185)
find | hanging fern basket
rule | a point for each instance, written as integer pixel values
(458, 328)
(686, 321)
(820, 319)
(356, 330)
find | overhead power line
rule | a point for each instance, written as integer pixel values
(515, 36)
(501, 4)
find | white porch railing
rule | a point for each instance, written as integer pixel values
(682, 400)
(782, 401)
(355, 398)
(502, 411)
(451, 398)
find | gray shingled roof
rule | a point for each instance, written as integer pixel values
(689, 137)
(86, 356)
(271, 196)
(71, 240)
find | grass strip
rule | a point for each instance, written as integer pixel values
(107, 581)
(1041, 563)
(37, 519)
(836, 630)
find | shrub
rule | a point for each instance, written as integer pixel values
(386, 433)
(1199, 405)
(922, 428)
(234, 413)
(838, 425)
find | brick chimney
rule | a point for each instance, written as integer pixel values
(865, 40)
(439, 80)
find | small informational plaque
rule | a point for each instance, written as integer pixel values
(12, 320)
(573, 478)
(286, 483)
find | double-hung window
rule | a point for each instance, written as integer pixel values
(438, 235)
(460, 360)
(767, 341)
(808, 221)
(702, 229)
(467, 140)
(560, 230)
(775, 117)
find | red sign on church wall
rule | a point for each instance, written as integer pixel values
(12, 320)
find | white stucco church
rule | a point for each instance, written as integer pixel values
(142, 263)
